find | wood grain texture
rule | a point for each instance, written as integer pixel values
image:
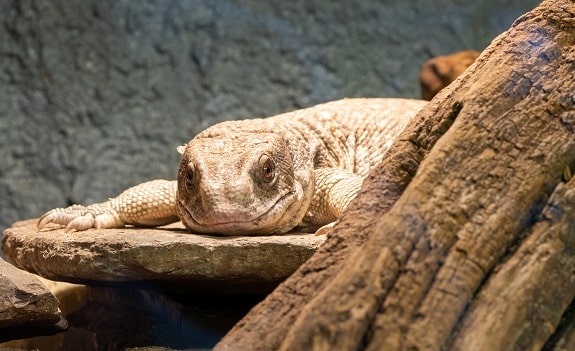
(413, 274)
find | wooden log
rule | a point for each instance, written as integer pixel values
(522, 301)
(429, 273)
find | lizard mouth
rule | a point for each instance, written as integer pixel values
(237, 224)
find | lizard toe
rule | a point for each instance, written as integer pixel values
(81, 223)
(61, 216)
(323, 230)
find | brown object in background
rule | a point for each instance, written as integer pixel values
(439, 71)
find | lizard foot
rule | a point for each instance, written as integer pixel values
(79, 218)
(323, 230)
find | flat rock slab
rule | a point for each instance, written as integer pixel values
(26, 305)
(167, 257)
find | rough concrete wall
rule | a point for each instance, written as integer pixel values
(95, 95)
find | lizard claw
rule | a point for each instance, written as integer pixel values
(73, 217)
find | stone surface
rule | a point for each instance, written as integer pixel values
(96, 95)
(26, 305)
(166, 257)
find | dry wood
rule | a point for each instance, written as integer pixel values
(527, 295)
(469, 241)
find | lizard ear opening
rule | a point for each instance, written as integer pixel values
(181, 149)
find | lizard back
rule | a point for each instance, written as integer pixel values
(350, 134)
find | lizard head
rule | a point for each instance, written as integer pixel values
(242, 184)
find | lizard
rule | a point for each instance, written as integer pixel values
(260, 176)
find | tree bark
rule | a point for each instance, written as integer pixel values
(463, 238)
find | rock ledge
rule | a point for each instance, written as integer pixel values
(26, 306)
(166, 257)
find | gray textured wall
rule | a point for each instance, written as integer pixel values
(95, 95)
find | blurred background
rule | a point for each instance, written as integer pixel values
(95, 95)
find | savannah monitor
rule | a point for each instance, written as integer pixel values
(260, 176)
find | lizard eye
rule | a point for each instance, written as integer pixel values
(268, 168)
(189, 177)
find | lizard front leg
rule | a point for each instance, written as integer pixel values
(148, 204)
(334, 190)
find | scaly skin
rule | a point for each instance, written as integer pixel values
(261, 176)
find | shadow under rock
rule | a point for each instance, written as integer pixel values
(123, 318)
